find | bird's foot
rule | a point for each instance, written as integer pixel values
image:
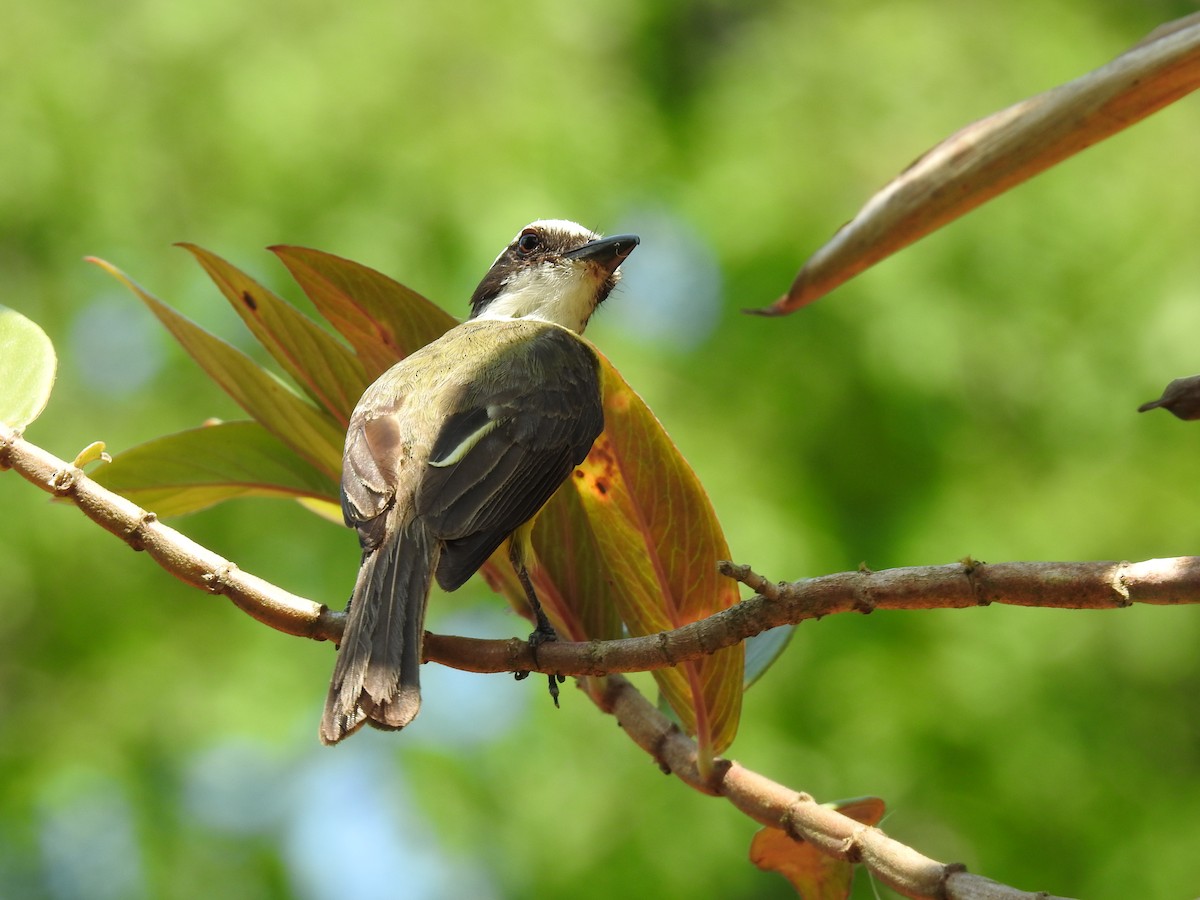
(543, 634)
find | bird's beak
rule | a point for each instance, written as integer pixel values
(606, 252)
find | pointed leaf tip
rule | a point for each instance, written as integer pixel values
(311, 432)
(382, 319)
(324, 367)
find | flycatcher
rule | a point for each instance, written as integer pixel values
(457, 447)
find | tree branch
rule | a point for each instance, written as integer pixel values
(1061, 585)
(795, 813)
(178, 554)
(1105, 585)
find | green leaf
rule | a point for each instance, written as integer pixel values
(309, 431)
(383, 320)
(27, 369)
(194, 469)
(327, 370)
(763, 650)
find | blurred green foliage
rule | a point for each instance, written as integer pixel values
(975, 395)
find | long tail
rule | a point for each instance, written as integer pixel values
(377, 674)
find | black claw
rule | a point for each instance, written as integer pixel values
(544, 633)
(541, 636)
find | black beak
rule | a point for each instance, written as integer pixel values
(607, 252)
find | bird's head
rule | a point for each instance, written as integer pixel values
(553, 270)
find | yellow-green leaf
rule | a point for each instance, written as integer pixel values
(193, 469)
(27, 369)
(646, 546)
(309, 431)
(324, 367)
(383, 320)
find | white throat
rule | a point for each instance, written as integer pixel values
(563, 293)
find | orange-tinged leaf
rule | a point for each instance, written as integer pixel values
(383, 320)
(997, 153)
(641, 538)
(630, 538)
(309, 431)
(190, 470)
(814, 875)
(569, 577)
(324, 367)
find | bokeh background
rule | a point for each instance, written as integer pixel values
(974, 396)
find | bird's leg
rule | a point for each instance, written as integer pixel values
(544, 632)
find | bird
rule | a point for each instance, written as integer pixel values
(457, 447)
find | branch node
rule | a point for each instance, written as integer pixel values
(135, 535)
(852, 850)
(658, 750)
(863, 599)
(1120, 586)
(595, 657)
(788, 820)
(970, 568)
(62, 482)
(7, 442)
(217, 581)
(772, 590)
(329, 623)
(664, 647)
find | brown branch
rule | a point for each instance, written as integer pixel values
(1059, 585)
(797, 814)
(178, 554)
(1072, 585)
(1063, 585)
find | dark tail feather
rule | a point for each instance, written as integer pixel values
(377, 674)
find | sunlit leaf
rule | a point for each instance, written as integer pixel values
(631, 541)
(814, 875)
(27, 369)
(330, 510)
(327, 370)
(383, 320)
(309, 431)
(194, 469)
(646, 546)
(995, 154)
(96, 451)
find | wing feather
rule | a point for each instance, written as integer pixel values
(544, 426)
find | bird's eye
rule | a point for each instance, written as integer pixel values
(528, 242)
